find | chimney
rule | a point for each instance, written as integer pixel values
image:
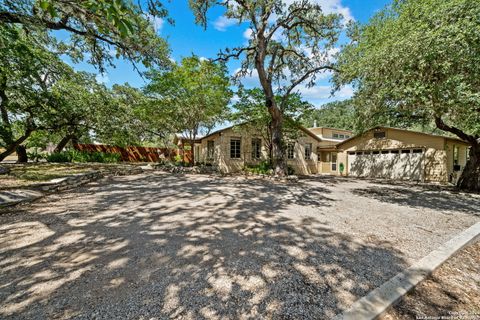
(314, 123)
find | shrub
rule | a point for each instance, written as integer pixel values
(36, 155)
(59, 157)
(81, 156)
(263, 167)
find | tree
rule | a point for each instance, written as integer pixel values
(421, 60)
(95, 27)
(78, 108)
(39, 92)
(337, 114)
(193, 95)
(26, 74)
(250, 114)
(289, 46)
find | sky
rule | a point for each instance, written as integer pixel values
(186, 38)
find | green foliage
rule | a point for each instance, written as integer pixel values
(95, 27)
(289, 45)
(81, 156)
(63, 156)
(417, 62)
(190, 98)
(35, 155)
(338, 114)
(264, 167)
(250, 114)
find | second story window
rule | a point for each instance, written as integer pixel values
(235, 151)
(308, 151)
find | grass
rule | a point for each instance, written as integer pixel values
(24, 175)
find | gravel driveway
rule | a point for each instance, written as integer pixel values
(196, 247)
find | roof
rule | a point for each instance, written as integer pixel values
(305, 130)
(346, 130)
(403, 130)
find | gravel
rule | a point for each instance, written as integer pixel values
(451, 292)
(161, 246)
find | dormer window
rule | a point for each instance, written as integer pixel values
(379, 134)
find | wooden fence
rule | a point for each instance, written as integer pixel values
(137, 154)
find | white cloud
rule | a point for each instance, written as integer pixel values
(156, 22)
(222, 23)
(320, 92)
(331, 6)
(102, 78)
(250, 80)
(247, 34)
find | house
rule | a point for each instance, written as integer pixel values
(381, 152)
(232, 148)
(393, 153)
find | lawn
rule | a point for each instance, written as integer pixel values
(27, 175)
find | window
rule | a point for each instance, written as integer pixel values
(347, 136)
(405, 151)
(235, 149)
(359, 153)
(290, 151)
(351, 153)
(376, 152)
(385, 152)
(256, 148)
(455, 154)
(417, 150)
(210, 149)
(335, 135)
(394, 151)
(334, 161)
(341, 136)
(308, 151)
(379, 134)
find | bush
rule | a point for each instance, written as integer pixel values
(59, 157)
(263, 167)
(81, 156)
(36, 155)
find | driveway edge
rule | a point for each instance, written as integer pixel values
(379, 300)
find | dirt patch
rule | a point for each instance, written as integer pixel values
(452, 291)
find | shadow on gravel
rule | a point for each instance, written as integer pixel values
(421, 198)
(185, 247)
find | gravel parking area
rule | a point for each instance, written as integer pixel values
(197, 247)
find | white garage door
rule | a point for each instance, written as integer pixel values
(403, 164)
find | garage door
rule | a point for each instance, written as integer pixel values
(403, 164)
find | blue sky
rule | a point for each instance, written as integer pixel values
(185, 38)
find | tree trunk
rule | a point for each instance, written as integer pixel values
(470, 177)
(192, 152)
(22, 154)
(13, 146)
(278, 155)
(63, 143)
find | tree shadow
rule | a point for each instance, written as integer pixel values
(419, 197)
(171, 246)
